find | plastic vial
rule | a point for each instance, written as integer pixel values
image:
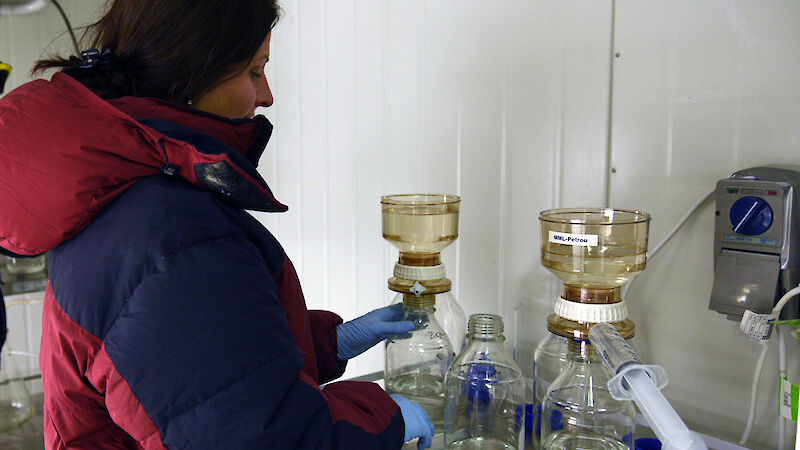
(485, 391)
(582, 413)
(416, 362)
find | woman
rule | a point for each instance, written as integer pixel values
(172, 317)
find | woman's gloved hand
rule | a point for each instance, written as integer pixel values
(358, 335)
(418, 423)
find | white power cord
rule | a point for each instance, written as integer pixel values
(673, 232)
(776, 312)
(754, 395)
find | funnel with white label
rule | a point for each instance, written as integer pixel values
(593, 251)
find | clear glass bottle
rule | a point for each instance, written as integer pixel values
(549, 359)
(582, 413)
(484, 391)
(26, 265)
(416, 362)
(450, 316)
(16, 405)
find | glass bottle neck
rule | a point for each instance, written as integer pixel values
(418, 311)
(419, 302)
(582, 352)
(487, 338)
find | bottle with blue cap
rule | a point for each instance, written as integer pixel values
(484, 391)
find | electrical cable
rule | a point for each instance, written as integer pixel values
(671, 234)
(754, 394)
(776, 312)
(69, 27)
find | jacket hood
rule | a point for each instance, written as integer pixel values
(65, 153)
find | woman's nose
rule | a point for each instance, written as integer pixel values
(264, 94)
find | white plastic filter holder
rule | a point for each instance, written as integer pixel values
(419, 273)
(591, 312)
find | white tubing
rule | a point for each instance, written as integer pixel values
(776, 312)
(754, 395)
(23, 8)
(671, 234)
(681, 223)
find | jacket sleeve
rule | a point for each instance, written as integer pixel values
(203, 350)
(323, 332)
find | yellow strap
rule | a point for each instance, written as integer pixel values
(5, 67)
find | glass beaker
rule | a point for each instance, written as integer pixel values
(484, 391)
(15, 401)
(25, 265)
(578, 411)
(416, 362)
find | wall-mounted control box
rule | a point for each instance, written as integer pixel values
(756, 240)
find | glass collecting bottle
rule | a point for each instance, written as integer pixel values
(416, 362)
(549, 359)
(450, 316)
(15, 402)
(484, 391)
(582, 414)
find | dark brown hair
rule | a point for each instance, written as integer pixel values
(170, 49)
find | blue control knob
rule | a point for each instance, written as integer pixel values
(751, 216)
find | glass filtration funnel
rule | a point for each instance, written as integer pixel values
(421, 226)
(593, 252)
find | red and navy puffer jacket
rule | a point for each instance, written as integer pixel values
(172, 319)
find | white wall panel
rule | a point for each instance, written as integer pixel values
(449, 97)
(701, 89)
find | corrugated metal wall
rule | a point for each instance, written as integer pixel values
(520, 106)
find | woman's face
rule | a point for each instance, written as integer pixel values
(238, 95)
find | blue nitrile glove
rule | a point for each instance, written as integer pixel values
(418, 423)
(358, 335)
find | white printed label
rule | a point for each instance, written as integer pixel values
(756, 326)
(583, 240)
